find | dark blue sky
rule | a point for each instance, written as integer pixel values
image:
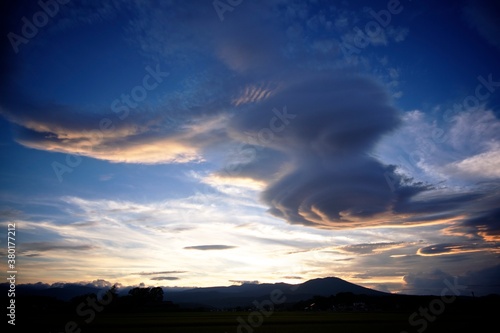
(355, 139)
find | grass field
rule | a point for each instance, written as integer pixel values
(290, 322)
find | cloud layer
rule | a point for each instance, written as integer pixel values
(322, 146)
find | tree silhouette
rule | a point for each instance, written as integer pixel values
(114, 291)
(156, 294)
(142, 296)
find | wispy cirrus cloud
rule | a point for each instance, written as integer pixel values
(368, 248)
(458, 145)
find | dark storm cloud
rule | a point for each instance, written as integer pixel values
(209, 247)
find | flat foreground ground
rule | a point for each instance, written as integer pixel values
(245, 322)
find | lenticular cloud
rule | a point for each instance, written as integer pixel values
(331, 179)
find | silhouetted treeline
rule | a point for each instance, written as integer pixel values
(50, 313)
(395, 303)
(86, 307)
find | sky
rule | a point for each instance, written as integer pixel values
(209, 143)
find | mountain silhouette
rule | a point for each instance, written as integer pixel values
(64, 292)
(245, 294)
(213, 297)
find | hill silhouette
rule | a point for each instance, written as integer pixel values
(242, 295)
(214, 297)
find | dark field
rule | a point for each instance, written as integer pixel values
(292, 322)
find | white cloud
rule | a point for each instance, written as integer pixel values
(481, 166)
(465, 148)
